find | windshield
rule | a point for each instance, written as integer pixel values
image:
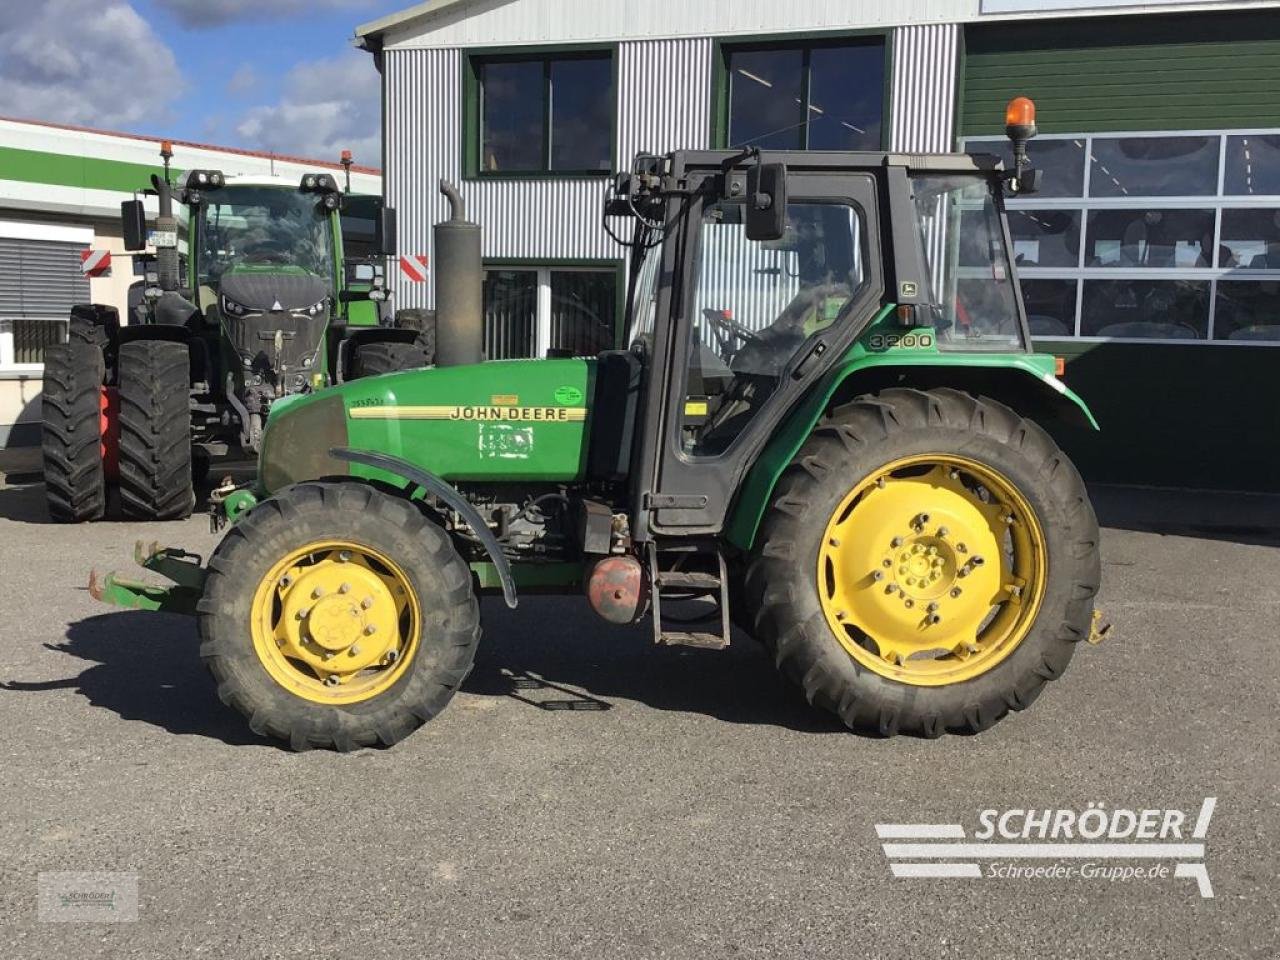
(974, 302)
(264, 227)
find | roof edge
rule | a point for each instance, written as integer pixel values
(369, 32)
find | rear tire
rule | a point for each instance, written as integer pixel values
(992, 668)
(155, 431)
(424, 323)
(71, 432)
(372, 359)
(262, 620)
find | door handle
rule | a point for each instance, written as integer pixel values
(809, 360)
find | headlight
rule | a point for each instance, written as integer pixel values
(316, 308)
(231, 308)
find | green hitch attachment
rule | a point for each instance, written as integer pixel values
(186, 570)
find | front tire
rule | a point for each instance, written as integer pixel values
(928, 564)
(155, 431)
(71, 432)
(338, 616)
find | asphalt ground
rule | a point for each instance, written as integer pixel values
(590, 795)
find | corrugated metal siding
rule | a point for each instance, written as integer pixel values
(922, 96)
(1168, 73)
(664, 99)
(664, 96)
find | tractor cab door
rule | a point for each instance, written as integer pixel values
(754, 325)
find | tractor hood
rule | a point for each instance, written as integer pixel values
(269, 291)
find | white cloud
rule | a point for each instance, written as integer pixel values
(243, 80)
(94, 63)
(206, 13)
(327, 106)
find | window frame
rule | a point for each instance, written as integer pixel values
(1086, 204)
(721, 77)
(473, 62)
(543, 269)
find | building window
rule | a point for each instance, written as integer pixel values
(544, 114)
(1150, 236)
(40, 280)
(825, 95)
(550, 311)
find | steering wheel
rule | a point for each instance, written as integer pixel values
(267, 251)
(727, 331)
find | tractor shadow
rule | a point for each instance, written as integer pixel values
(553, 653)
(145, 666)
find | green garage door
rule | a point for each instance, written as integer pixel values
(1135, 73)
(1150, 260)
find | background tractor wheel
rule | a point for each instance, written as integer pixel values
(71, 426)
(155, 431)
(928, 563)
(372, 359)
(338, 616)
(424, 323)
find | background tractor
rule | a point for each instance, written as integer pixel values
(264, 288)
(824, 430)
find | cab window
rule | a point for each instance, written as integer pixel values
(756, 307)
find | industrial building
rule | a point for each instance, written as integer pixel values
(60, 194)
(1150, 260)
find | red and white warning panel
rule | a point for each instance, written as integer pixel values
(95, 263)
(415, 267)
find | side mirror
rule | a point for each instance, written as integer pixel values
(133, 225)
(385, 231)
(766, 201)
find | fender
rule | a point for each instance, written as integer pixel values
(434, 485)
(1022, 381)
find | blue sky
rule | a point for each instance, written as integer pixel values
(277, 75)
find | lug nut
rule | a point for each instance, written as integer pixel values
(934, 618)
(345, 588)
(932, 607)
(943, 531)
(344, 556)
(880, 482)
(366, 603)
(840, 614)
(370, 630)
(355, 650)
(835, 542)
(955, 592)
(304, 613)
(331, 680)
(892, 588)
(392, 656)
(887, 564)
(909, 603)
(318, 592)
(285, 581)
(977, 561)
(895, 542)
(878, 575)
(954, 474)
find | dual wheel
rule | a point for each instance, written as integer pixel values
(135, 435)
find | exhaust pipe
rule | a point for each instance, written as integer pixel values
(459, 285)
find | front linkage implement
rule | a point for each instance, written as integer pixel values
(825, 430)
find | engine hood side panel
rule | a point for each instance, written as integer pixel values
(516, 420)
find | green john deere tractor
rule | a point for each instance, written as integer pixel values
(825, 431)
(253, 297)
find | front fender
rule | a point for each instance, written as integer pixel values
(1026, 382)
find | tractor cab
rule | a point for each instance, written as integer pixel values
(743, 297)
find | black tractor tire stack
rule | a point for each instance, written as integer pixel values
(155, 431)
(372, 359)
(850, 444)
(75, 482)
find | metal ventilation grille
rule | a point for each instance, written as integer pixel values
(40, 278)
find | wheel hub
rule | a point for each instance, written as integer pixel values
(331, 624)
(923, 596)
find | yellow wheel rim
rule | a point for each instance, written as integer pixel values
(932, 570)
(336, 622)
